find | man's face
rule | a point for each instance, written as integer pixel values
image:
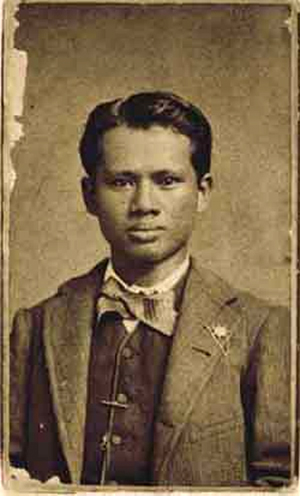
(145, 195)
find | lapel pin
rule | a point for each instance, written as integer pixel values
(221, 335)
(221, 332)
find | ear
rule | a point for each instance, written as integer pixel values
(205, 187)
(88, 193)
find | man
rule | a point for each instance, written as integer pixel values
(150, 369)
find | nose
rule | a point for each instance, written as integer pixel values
(144, 201)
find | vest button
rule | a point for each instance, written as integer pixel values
(122, 398)
(127, 353)
(116, 440)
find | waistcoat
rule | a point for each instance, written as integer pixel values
(126, 373)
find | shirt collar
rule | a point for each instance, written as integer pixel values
(166, 285)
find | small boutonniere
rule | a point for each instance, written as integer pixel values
(221, 335)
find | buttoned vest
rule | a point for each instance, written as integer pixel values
(126, 374)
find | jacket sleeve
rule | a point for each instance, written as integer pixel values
(266, 394)
(20, 350)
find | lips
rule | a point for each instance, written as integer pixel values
(146, 229)
(144, 234)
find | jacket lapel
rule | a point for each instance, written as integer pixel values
(69, 320)
(196, 350)
(202, 339)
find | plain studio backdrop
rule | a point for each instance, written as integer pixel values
(232, 61)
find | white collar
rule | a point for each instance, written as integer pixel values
(161, 287)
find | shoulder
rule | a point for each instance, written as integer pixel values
(89, 280)
(31, 319)
(74, 285)
(257, 313)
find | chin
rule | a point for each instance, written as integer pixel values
(148, 255)
(144, 257)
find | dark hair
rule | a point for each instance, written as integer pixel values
(143, 110)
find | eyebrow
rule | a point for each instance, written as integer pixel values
(166, 172)
(129, 173)
(121, 173)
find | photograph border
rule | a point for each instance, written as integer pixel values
(12, 64)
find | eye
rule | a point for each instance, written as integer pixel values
(122, 182)
(169, 180)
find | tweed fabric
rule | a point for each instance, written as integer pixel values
(245, 389)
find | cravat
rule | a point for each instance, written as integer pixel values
(157, 311)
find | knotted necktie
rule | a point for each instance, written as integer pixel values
(157, 311)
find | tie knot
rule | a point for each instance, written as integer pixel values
(156, 310)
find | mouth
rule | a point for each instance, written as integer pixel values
(144, 234)
(145, 228)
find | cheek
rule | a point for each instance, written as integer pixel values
(112, 215)
(183, 216)
(112, 206)
(184, 208)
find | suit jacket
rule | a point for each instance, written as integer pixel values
(224, 417)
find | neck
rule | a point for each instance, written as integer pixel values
(144, 273)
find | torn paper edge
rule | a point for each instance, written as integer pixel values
(14, 69)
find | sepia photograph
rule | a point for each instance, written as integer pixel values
(150, 246)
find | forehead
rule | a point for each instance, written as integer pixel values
(141, 147)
